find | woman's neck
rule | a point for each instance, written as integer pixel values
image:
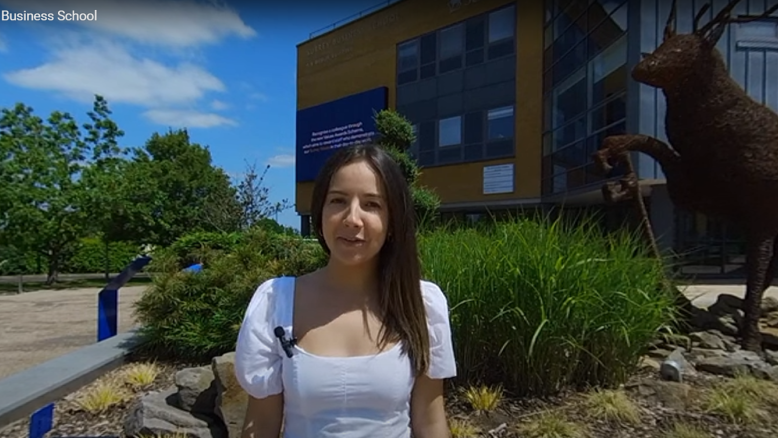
(360, 281)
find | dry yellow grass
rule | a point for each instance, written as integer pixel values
(483, 398)
(462, 429)
(141, 375)
(552, 425)
(744, 399)
(612, 405)
(681, 430)
(102, 396)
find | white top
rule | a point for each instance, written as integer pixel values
(334, 397)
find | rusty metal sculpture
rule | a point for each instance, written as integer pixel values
(724, 156)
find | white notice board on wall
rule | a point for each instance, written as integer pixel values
(498, 179)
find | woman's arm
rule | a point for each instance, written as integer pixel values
(428, 410)
(264, 417)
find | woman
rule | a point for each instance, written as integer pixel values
(371, 340)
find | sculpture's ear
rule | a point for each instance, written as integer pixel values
(672, 22)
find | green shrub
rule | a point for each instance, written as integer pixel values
(91, 253)
(197, 315)
(192, 248)
(15, 262)
(538, 307)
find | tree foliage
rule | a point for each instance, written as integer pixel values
(61, 182)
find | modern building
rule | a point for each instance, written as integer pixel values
(510, 99)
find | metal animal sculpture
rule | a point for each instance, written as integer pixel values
(724, 156)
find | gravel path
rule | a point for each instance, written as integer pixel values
(39, 326)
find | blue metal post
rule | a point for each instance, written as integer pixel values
(108, 299)
(107, 314)
(41, 421)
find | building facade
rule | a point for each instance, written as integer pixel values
(510, 99)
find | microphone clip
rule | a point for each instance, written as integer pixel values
(286, 344)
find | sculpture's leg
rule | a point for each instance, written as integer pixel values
(758, 259)
(615, 146)
(772, 269)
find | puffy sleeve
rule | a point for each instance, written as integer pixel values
(442, 363)
(257, 362)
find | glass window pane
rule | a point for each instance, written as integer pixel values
(408, 56)
(474, 35)
(609, 28)
(613, 111)
(450, 131)
(451, 41)
(608, 71)
(569, 98)
(502, 23)
(569, 133)
(500, 123)
(428, 48)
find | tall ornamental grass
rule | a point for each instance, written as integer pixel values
(541, 306)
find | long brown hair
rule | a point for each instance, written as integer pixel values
(404, 316)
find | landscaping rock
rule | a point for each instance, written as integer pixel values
(673, 395)
(675, 366)
(735, 363)
(771, 357)
(769, 305)
(231, 399)
(771, 319)
(710, 340)
(155, 414)
(196, 390)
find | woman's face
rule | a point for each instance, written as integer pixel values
(355, 217)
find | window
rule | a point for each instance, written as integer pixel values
(570, 98)
(760, 34)
(407, 62)
(451, 41)
(500, 123)
(608, 72)
(450, 131)
(501, 24)
(408, 56)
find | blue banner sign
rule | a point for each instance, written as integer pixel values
(340, 123)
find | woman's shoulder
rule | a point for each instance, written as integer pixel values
(267, 293)
(434, 298)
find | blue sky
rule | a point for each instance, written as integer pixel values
(224, 71)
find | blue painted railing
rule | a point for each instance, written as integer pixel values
(42, 420)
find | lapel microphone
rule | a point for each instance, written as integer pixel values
(286, 344)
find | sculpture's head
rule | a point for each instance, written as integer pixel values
(680, 54)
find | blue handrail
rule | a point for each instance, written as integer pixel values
(108, 299)
(42, 420)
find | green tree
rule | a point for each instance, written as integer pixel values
(396, 136)
(42, 197)
(166, 186)
(103, 178)
(252, 205)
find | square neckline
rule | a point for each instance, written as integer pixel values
(291, 294)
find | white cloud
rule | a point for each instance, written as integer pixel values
(187, 118)
(218, 105)
(281, 160)
(110, 70)
(103, 57)
(258, 96)
(180, 23)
